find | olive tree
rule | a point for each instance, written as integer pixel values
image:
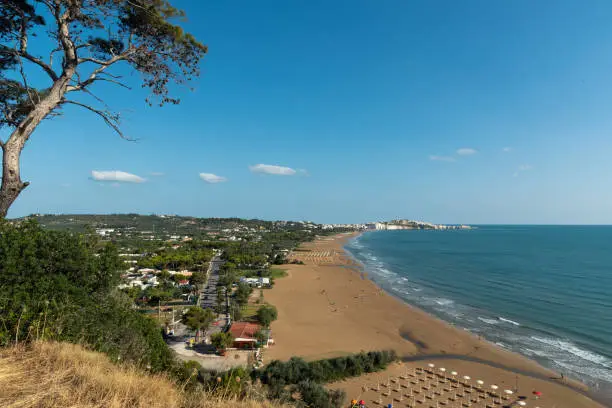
(84, 42)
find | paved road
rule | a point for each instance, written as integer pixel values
(208, 296)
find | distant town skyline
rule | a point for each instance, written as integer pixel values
(462, 113)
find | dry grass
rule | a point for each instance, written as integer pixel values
(46, 375)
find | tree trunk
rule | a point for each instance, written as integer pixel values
(11, 181)
(12, 185)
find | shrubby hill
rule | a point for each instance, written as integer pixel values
(61, 286)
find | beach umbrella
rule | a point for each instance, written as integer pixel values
(538, 394)
(508, 393)
(454, 374)
(431, 366)
(494, 388)
(443, 373)
(522, 403)
(467, 379)
(480, 383)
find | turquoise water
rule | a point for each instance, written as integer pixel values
(542, 291)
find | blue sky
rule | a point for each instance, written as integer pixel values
(370, 103)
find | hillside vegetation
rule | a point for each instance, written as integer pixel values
(60, 286)
(51, 374)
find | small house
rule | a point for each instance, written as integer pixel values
(244, 335)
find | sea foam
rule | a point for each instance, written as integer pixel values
(503, 319)
(571, 348)
(488, 321)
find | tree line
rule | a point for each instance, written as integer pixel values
(279, 373)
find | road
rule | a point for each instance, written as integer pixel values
(208, 297)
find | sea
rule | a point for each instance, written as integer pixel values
(541, 291)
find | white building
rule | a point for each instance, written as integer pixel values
(256, 282)
(104, 231)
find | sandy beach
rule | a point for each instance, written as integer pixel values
(328, 307)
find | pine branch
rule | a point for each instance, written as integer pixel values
(9, 51)
(94, 76)
(111, 119)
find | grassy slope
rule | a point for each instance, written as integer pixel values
(46, 375)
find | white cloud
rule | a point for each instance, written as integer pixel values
(466, 151)
(442, 158)
(116, 175)
(522, 168)
(273, 169)
(157, 174)
(212, 178)
(507, 149)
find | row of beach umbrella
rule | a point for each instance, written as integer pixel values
(440, 397)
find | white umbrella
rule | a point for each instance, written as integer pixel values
(494, 388)
(522, 403)
(467, 379)
(443, 373)
(454, 374)
(508, 393)
(480, 383)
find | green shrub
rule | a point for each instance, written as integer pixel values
(279, 373)
(62, 286)
(315, 395)
(266, 314)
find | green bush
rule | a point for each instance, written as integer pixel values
(279, 373)
(315, 395)
(62, 286)
(266, 314)
(221, 340)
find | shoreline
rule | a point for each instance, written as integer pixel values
(329, 307)
(570, 382)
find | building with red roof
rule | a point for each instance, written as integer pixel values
(244, 334)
